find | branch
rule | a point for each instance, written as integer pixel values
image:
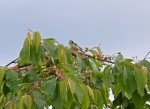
(97, 57)
(14, 61)
(105, 60)
(146, 55)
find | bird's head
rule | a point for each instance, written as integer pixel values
(71, 42)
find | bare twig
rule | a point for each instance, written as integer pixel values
(95, 47)
(14, 61)
(146, 55)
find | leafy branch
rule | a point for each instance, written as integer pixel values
(49, 73)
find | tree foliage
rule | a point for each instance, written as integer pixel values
(49, 73)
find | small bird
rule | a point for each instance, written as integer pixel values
(74, 46)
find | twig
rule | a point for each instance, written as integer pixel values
(14, 61)
(95, 47)
(146, 55)
(104, 59)
(107, 61)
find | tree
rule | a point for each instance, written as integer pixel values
(49, 73)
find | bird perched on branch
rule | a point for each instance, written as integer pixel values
(75, 48)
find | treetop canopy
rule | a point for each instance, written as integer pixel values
(70, 77)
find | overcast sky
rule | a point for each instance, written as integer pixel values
(119, 25)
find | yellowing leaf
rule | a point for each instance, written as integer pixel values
(12, 105)
(71, 86)
(37, 41)
(29, 38)
(20, 103)
(2, 73)
(61, 53)
(145, 71)
(2, 101)
(99, 50)
(90, 91)
(28, 101)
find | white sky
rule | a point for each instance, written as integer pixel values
(118, 25)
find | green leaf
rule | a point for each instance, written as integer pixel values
(2, 101)
(98, 98)
(12, 105)
(125, 76)
(33, 55)
(79, 93)
(61, 54)
(94, 79)
(32, 76)
(51, 48)
(49, 87)
(117, 101)
(20, 103)
(70, 60)
(129, 80)
(119, 58)
(141, 80)
(25, 102)
(117, 89)
(138, 100)
(11, 75)
(86, 99)
(69, 71)
(80, 64)
(93, 65)
(28, 101)
(37, 40)
(25, 54)
(39, 99)
(132, 83)
(93, 52)
(63, 90)
(57, 101)
(125, 103)
(11, 80)
(70, 98)
(105, 94)
(107, 77)
(90, 91)
(2, 73)
(127, 60)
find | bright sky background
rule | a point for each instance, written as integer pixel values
(119, 25)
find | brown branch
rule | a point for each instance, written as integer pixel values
(56, 72)
(97, 57)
